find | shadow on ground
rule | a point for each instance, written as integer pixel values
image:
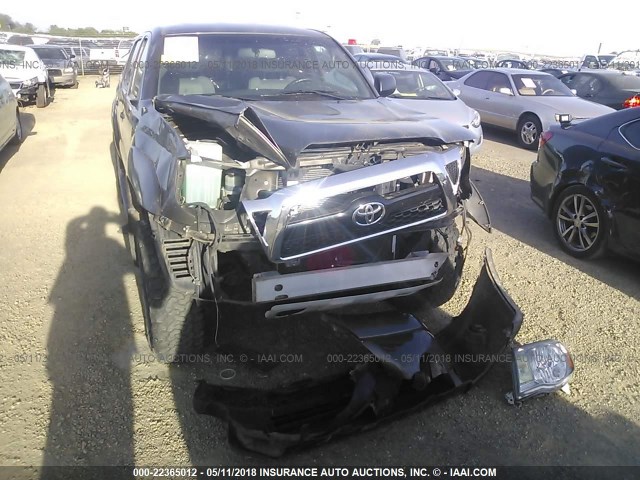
(91, 415)
(28, 124)
(500, 135)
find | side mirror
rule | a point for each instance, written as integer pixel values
(434, 70)
(505, 91)
(72, 56)
(384, 83)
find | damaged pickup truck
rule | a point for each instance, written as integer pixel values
(262, 168)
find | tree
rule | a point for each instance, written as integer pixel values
(10, 25)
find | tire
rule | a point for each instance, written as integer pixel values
(19, 135)
(126, 206)
(580, 223)
(174, 323)
(42, 96)
(528, 131)
(75, 85)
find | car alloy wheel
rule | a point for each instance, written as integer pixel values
(529, 133)
(578, 223)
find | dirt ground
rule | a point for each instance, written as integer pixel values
(79, 388)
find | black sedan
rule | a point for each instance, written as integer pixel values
(609, 87)
(587, 180)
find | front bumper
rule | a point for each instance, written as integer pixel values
(478, 139)
(414, 368)
(58, 77)
(24, 93)
(329, 289)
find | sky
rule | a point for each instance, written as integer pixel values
(536, 27)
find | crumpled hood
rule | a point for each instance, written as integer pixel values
(294, 125)
(455, 111)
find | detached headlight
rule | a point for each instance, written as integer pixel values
(475, 123)
(30, 82)
(68, 70)
(539, 368)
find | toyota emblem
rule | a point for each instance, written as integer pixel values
(368, 214)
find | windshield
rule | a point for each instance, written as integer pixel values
(538, 85)
(419, 85)
(11, 57)
(455, 64)
(259, 67)
(51, 53)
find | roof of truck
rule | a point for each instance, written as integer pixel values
(256, 29)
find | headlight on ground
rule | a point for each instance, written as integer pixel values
(30, 82)
(476, 119)
(539, 368)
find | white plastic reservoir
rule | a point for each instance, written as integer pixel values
(202, 183)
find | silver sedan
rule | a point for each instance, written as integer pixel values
(525, 101)
(421, 90)
(10, 126)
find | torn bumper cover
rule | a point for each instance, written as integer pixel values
(414, 368)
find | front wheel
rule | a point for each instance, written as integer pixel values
(42, 97)
(580, 223)
(174, 323)
(529, 130)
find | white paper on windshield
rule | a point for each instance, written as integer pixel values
(181, 49)
(527, 82)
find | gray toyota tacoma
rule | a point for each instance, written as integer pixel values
(261, 168)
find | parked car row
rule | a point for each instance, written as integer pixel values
(33, 72)
(524, 101)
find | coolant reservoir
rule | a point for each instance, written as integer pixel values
(203, 175)
(202, 183)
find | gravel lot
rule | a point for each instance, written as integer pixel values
(75, 392)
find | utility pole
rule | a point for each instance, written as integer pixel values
(599, 47)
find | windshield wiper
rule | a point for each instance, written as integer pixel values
(324, 93)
